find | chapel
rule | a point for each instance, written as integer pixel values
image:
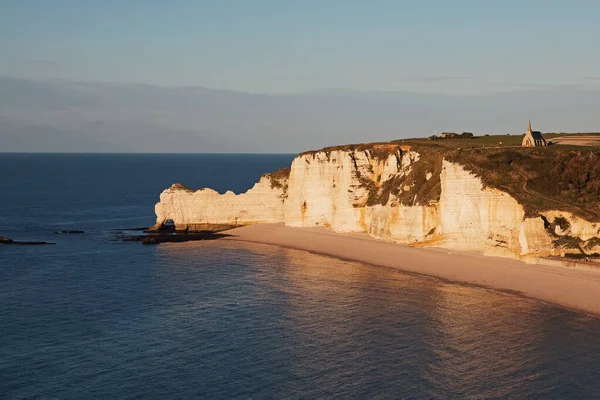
(533, 138)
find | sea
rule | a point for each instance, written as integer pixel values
(93, 317)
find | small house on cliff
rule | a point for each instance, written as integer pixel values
(449, 135)
(533, 138)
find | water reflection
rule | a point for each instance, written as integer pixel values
(481, 338)
(287, 323)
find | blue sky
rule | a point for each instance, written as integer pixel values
(454, 47)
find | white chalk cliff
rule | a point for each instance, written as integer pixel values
(388, 192)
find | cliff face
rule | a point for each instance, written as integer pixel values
(206, 209)
(391, 192)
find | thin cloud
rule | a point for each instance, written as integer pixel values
(537, 85)
(590, 78)
(433, 79)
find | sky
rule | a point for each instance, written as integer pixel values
(459, 47)
(289, 75)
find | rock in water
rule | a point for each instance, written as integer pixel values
(150, 240)
(156, 238)
(5, 240)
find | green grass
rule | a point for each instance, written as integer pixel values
(476, 142)
(497, 141)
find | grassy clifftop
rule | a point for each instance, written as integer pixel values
(540, 178)
(556, 177)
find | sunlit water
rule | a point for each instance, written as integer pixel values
(94, 318)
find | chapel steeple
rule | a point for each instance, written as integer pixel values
(533, 138)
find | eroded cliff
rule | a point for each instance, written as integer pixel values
(392, 192)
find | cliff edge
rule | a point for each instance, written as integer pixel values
(498, 201)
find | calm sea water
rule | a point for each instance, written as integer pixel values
(95, 318)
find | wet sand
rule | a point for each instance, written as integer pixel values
(574, 288)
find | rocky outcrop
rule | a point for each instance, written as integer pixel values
(6, 241)
(391, 192)
(206, 209)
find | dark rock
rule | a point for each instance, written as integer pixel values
(5, 240)
(150, 240)
(162, 229)
(67, 232)
(156, 238)
(32, 243)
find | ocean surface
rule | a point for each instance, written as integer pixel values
(93, 317)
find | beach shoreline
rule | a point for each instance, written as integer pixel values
(576, 288)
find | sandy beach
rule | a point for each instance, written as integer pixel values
(574, 288)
